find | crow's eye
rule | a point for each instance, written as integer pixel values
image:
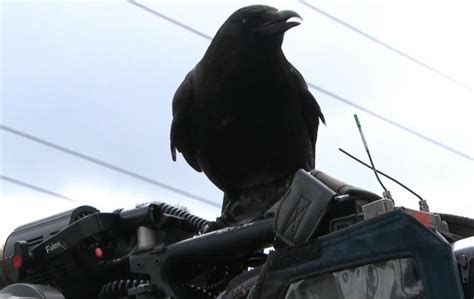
(244, 21)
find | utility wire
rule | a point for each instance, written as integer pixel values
(322, 90)
(393, 123)
(36, 188)
(173, 21)
(385, 45)
(108, 165)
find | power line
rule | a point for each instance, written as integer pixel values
(393, 123)
(173, 21)
(385, 45)
(326, 92)
(108, 165)
(36, 188)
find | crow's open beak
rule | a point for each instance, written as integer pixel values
(279, 22)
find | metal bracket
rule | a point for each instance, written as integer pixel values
(464, 263)
(376, 208)
(143, 291)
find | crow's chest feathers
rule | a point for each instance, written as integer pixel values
(240, 90)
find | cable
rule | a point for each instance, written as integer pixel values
(385, 45)
(385, 175)
(107, 165)
(326, 92)
(39, 189)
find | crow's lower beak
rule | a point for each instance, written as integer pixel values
(279, 22)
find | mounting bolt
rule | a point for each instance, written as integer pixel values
(138, 265)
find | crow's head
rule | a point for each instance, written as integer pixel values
(257, 25)
(262, 20)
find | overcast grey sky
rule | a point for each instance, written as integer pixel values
(98, 77)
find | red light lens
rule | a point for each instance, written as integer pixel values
(17, 261)
(99, 252)
(423, 217)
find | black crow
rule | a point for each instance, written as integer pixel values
(244, 114)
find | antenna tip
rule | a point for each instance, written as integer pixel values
(357, 120)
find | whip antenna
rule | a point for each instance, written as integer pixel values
(386, 193)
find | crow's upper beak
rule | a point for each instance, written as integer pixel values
(278, 23)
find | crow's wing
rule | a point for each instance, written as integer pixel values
(181, 136)
(311, 110)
